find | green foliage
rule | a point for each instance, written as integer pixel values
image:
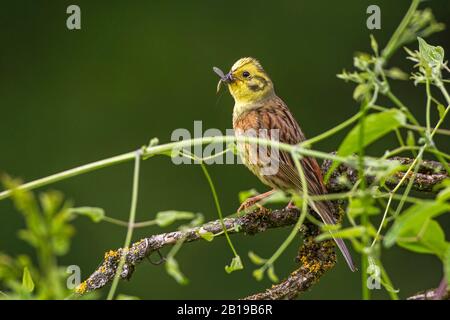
(95, 214)
(166, 218)
(416, 228)
(376, 126)
(256, 259)
(48, 231)
(360, 206)
(414, 221)
(268, 269)
(174, 271)
(271, 274)
(126, 297)
(27, 281)
(236, 264)
(207, 235)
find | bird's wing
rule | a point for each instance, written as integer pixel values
(279, 117)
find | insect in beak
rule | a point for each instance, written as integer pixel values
(227, 78)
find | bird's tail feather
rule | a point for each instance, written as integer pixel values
(324, 211)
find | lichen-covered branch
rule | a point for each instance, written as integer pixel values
(314, 258)
(430, 174)
(255, 222)
(429, 295)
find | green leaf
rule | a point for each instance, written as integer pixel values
(256, 259)
(374, 44)
(413, 219)
(397, 74)
(29, 237)
(348, 233)
(258, 274)
(362, 60)
(330, 227)
(433, 56)
(126, 297)
(94, 213)
(207, 235)
(271, 274)
(376, 126)
(173, 270)
(410, 139)
(166, 218)
(51, 201)
(444, 195)
(236, 264)
(27, 281)
(245, 194)
(430, 238)
(153, 142)
(298, 200)
(358, 206)
(361, 91)
(441, 110)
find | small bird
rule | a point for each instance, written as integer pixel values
(258, 109)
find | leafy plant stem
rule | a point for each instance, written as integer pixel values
(385, 277)
(122, 223)
(333, 130)
(364, 216)
(399, 184)
(403, 108)
(132, 218)
(300, 220)
(428, 108)
(160, 149)
(394, 42)
(218, 208)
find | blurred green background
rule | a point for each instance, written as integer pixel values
(141, 69)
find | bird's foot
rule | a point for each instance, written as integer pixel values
(291, 205)
(250, 202)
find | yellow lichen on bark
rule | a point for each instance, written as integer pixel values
(81, 289)
(111, 254)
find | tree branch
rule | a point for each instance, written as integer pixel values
(442, 292)
(429, 295)
(430, 174)
(255, 222)
(314, 258)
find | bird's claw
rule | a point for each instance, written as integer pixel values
(247, 204)
(291, 205)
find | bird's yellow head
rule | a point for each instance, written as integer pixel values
(247, 81)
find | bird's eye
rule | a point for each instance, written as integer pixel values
(246, 74)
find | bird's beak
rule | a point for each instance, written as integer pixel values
(226, 78)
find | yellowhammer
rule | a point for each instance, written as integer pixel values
(259, 110)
